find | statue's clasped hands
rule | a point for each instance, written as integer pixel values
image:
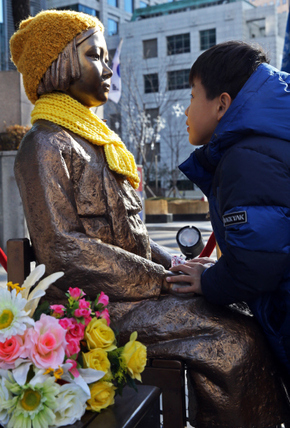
(186, 278)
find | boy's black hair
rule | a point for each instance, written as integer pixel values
(226, 67)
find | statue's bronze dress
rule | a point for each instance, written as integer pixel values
(83, 220)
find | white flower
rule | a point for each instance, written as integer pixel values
(71, 404)
(13, 318)
(5, 395)
(34, 296)
(86, 376)
(32, 405)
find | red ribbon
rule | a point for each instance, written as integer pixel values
(210, 246)
(3, 259)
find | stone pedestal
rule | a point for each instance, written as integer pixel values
(157, 211)
(12, 221)
(156, 206)
(183, 206)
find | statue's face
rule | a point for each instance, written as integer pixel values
(92, 88)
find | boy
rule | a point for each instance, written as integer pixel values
(239, 114)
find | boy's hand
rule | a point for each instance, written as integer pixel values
(192, 272)
(167, 287)
(201, 260)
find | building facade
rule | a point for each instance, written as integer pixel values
(281, 5)
(7, 29)
(112, 13)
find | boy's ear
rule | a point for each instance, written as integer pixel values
(225, 100)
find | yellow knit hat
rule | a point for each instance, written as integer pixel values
(40, 39)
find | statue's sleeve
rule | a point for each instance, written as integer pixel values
(44, 172)
(160, 255)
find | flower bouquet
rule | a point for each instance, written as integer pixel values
(58, 361)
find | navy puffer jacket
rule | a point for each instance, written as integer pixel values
(245, 173)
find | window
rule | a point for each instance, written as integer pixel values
(207, 39)
(153, 113)
(151, 83)
(81, 8)
(257, 28)
(150, 48)
(177, 79)
(115, 123)
(113, 3)
(112, 27)
(184, 185)
(152, 150)
(143, 4)
(178, 44)
(129, 6)
(111, 56)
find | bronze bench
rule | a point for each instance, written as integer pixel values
(132, 410)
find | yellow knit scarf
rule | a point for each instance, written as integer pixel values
(63, 110)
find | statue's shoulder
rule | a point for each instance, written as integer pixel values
(45, 135)
(44, 141)
(43, 130)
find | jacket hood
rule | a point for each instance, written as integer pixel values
(261, 107)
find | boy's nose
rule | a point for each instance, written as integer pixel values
(186, 111)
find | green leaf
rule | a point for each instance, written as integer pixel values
(131, 383)
(97, 298)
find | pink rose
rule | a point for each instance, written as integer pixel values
(103, 299)
(72, 347)
(67, 323)
(58, 310)
(104, 314)
(78, 313)
(76, 293)
(77, 330)
(10, 350)
(74, 371)
(45, 343)
(84, 304)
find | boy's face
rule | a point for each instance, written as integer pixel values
(202, 115)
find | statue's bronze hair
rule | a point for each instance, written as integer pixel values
(62, 72)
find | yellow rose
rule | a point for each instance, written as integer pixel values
(102, 396)
(134, 354)
(97, 359)
(99, 335)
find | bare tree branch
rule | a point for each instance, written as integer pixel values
(142, 132)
